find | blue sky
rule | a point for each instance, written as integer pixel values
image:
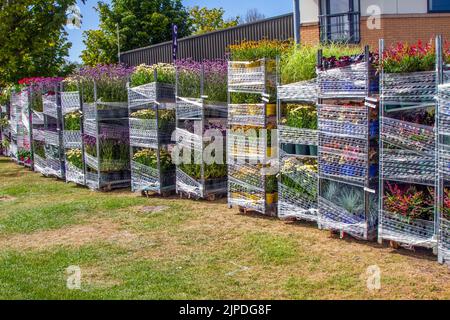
(232, 8)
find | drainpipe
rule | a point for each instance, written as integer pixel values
(297, 21)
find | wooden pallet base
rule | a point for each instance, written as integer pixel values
(252, 211)
(151, 194)
(399, 246)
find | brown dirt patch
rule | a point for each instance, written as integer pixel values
(75, 236)
(6, 198)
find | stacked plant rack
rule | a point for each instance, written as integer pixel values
(71, 109)
(152, 122)
(105, 139)
(20, 125)
(201, 114)
(298, 141)
(252, 184)
(443, 199)
(38, 130)
(5, 130)
(348, 159)
(408, 215)
(54, 151)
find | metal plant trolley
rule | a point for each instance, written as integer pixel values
(298, 181)
(5, 130)
(443, 198)
(54, 150)
(38, 129)
(196, 113)
(348, 147)
(13, 123)
(21, 128)
(72, 126)
(153, 135)
(408, 152)
(251, 169)
(106, 142)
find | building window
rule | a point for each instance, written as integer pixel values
(339, 21)
(438, 5)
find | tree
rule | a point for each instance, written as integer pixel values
(32, 37)
(141, 23)
(253, 15)
(205, 20)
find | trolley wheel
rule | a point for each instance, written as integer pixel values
(241, 210)
(211, 197)
(394, 245)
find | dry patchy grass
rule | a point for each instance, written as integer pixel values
(189, 250)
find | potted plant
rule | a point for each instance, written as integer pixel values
(271, 189)
(410, 201)
(75, 158)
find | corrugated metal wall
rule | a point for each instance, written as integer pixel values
(212, 45)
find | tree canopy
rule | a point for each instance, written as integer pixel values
(207, 20)
(33, 40)
(141, 23)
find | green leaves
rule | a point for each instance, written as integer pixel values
(207, 20)
(141, 23)
(33, 39)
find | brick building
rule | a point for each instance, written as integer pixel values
(366, 21)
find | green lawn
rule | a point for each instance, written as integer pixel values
(190, 250)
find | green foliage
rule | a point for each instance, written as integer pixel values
(141, 23)
(144, 74)
(39, 148)
(149, 158)
(405, 58)
(166, 117)
(75, 157)
(206, 20)
(301, 116)
(271, 184)
(212, 171)
(299, 62)
(72, 121)
(33, 40)
(255, 50)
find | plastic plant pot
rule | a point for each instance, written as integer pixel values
(271, 109)
(348, 170)
(373, 170)
(301, 150)
(288, 148)
(313, 151)
(271, 198)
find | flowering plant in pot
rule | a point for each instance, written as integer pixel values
(149, 158)
(406, 58)
(166, 117)
(24, 156)
(110, 80)
(75, 157)
(90, 145)
(144, 74)
(215, 79)
(304, 171)
(410, 201)
(72, 121)
(446, 205)
(254, 50)
(301, 116)
(39, 86)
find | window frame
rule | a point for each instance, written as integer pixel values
(351, 4)
(430, 10)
